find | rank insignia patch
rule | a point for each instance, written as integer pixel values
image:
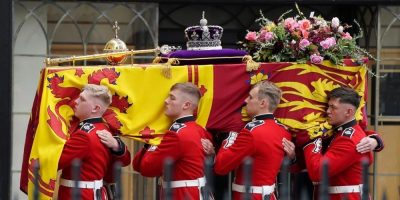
(87, 127)
(176, 127)
(251, 125)
(348, 132)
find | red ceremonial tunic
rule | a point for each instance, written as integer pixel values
(95, 157)
(182, 143)
(261, 139)
(344, 161)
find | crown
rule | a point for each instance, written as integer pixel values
(203, 37)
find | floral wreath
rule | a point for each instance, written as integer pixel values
(301, 39)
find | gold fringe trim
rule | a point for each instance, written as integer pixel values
(210, 58)
(250, 63)
(166, 70)
(157, 59)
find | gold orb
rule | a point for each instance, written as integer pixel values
(115, 45)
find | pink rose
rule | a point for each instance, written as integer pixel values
(269, 36)
(347, 36)
(251, 36)
(332, 40)
(303, 44)
(328, 43)
(316, 59)
(290, 24)
(265, 36)
(305, 33)
(261, 37)
(305, 24)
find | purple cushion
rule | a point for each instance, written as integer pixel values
(197, 57)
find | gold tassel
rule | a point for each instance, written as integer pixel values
(166, 70)
(157, 59)
(250, 63)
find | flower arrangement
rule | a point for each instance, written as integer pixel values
(300, 39)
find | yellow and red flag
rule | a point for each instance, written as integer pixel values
(139, 91)
(136, 110)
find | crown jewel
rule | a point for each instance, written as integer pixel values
(203, 37)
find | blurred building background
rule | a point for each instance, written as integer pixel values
(42, 29)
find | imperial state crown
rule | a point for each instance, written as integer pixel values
(203, 37)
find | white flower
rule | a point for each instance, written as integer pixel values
(335, 22)
(321, 22)
(340, 29)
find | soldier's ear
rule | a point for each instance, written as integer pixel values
(96, 108)
(186, 105)
(350, 111)
(264, 102)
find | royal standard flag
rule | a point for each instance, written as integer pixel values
(139, 91)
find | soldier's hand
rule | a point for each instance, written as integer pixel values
(366, 144)
(208, 147)
(107, 139)
(289, 148)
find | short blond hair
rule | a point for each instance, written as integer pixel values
(269, 90)
(189, 89)
(101, 92)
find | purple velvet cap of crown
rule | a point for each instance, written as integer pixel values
(197, 57)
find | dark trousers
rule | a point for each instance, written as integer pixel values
(302, 186)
